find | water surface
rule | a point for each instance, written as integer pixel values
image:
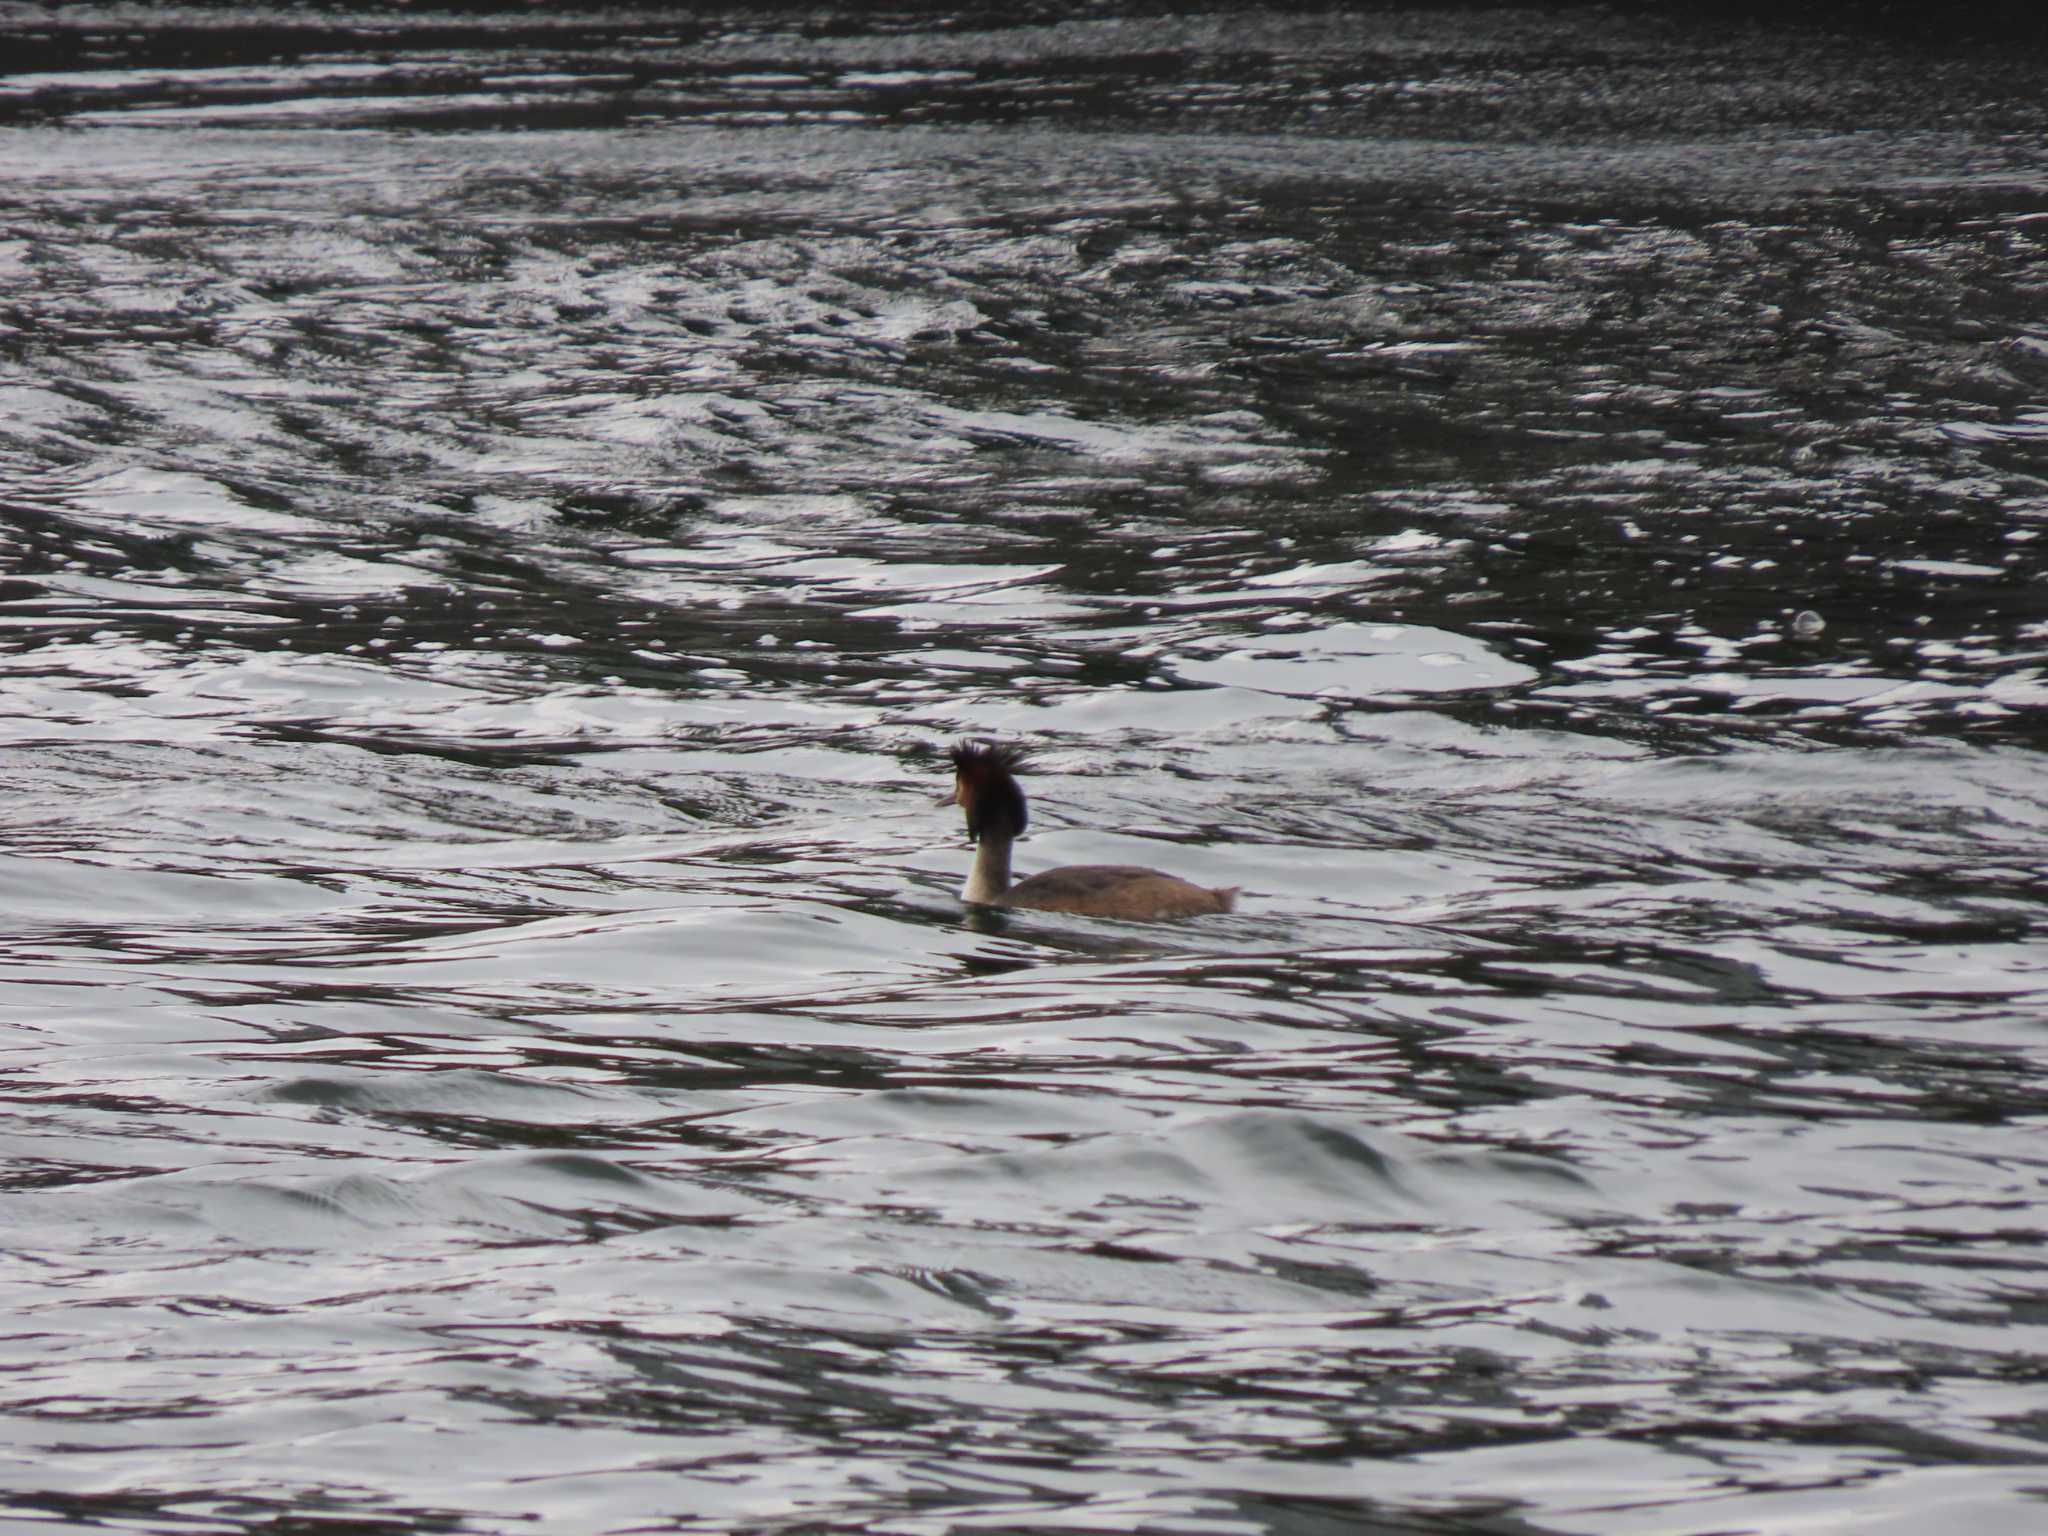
(503, 513)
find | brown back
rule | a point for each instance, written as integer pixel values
(1117, 890)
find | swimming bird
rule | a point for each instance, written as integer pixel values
(985, 787)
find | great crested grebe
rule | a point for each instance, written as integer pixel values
(985, 787)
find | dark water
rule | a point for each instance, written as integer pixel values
(502, 513)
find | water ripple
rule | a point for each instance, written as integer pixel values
(501, 515)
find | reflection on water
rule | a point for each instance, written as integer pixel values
(500, 515)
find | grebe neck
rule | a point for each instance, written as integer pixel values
(990, 876)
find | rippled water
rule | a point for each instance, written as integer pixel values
(503, 513)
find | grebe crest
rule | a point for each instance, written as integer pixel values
(985, 787)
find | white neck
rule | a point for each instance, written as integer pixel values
(990, 876)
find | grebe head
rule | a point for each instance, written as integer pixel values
(985, 787)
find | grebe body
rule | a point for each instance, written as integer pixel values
(985, 787)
